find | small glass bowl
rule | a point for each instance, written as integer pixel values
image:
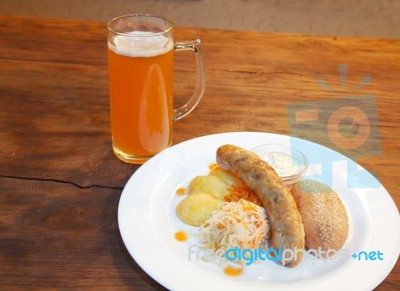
(289, 163)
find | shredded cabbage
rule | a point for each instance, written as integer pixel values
(241, 224)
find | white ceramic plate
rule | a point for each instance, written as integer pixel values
(147, 223)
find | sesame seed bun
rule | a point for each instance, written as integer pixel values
(324, 216)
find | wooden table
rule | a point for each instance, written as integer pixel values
(59, 181)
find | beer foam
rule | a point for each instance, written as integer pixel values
(141, 44)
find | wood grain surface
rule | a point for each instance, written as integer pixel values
(59, 181)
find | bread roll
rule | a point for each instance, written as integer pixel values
(324, 216)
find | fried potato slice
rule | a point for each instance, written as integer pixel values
(209, 184)
(227, 177)
(197, 208)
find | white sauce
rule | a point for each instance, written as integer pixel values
(282, 163)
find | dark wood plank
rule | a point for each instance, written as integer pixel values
(60, 236)
(28, 38)
(69, 119)
(54, 123)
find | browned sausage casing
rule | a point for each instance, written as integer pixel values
(286, 227)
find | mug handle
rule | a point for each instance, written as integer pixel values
(196, 47)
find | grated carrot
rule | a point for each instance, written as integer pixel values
(236, 193)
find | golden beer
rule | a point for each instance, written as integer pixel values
(141, 97)
(140, 60)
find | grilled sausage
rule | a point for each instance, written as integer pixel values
(287, 231)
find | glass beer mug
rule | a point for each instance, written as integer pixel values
(141, 64)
